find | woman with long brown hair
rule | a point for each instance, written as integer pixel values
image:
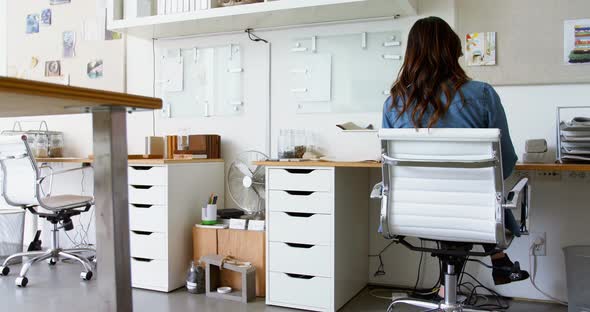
(433, 91)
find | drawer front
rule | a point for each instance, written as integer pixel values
(318, 180)
(150, 245)
(147, 217)
(155, 195)
(306, 291)
(300, 259)
(149, 273)
(300, 201)
(148, 175)
(315, 229)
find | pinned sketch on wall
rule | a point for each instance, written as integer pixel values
(69, 43)
(46, 17)
(32, 24)
(480, 48)
(54, 2)
(94, 69)
(576, 41)
(52, 69)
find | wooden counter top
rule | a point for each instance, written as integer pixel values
(19, 97)
(519, 166)
(130, 161)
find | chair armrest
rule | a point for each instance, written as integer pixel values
(12, 157)
(377, 192)
(520, 189)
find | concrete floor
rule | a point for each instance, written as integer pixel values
(59, 288)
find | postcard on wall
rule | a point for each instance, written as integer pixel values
(94, 69)
(52, 68)
(46, 17)
(480, 49)
(576, 41)
(32, 23)
(54, 2)
(69, 43)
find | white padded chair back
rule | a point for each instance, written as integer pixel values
(443, 201)
(18, 175)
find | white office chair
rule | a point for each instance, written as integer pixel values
(22, 186)
(446, 186)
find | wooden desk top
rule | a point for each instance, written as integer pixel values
(133, 161)
(519, 166)
(19, 97)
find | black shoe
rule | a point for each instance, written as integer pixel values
(505, 271)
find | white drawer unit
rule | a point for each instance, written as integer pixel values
(300, 179)
(306, 292)
(305, 228)
(317, 239)
(315, 260)
(298, 201)
(164, 205)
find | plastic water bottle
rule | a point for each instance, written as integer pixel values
(195, 279)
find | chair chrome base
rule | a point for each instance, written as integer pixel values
(52, 255)
(450, 303)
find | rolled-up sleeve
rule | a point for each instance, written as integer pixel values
(497, 119)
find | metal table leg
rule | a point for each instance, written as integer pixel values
(112, 215)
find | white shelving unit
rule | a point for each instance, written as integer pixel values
(268, 14)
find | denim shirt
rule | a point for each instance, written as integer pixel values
(482, 109)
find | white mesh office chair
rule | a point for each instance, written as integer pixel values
(446, 186)
(22, 186)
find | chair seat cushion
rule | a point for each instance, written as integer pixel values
(60, 202)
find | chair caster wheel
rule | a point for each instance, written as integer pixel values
(86, 275)
(21, 281)
(51, 261)
(4, 270)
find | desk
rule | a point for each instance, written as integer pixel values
(109, 109)
(373, 164)
(130, 161)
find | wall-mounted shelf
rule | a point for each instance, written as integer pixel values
(268, 14)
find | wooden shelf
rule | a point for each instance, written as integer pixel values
(19, 97)
(553, 167)
(269, 14)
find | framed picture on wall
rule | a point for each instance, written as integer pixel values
(576, 41)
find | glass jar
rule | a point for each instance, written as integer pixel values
(285, 145)
(56, 145)
(41, 146)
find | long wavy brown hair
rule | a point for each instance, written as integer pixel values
(430, 70)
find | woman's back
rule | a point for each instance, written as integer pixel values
(480, 107)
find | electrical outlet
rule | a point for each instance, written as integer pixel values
(540, 240)
(549, 176)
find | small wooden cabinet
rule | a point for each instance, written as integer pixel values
(241, 244)
(165, 201)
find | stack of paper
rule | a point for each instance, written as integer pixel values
(180, 6)
(575, 139)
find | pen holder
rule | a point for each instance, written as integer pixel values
(209, 215)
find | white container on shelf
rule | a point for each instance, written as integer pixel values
(140, 8)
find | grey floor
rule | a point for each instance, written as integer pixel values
(59, 288)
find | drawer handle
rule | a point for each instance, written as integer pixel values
(299, 276)
(299, 193)
(141, 168)
(142, 259)
(142, 187)
(299, 214)
(141, 206)
(144, 233)
(300, 171)
(304, 246)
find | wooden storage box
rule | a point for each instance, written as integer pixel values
(241, 244)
